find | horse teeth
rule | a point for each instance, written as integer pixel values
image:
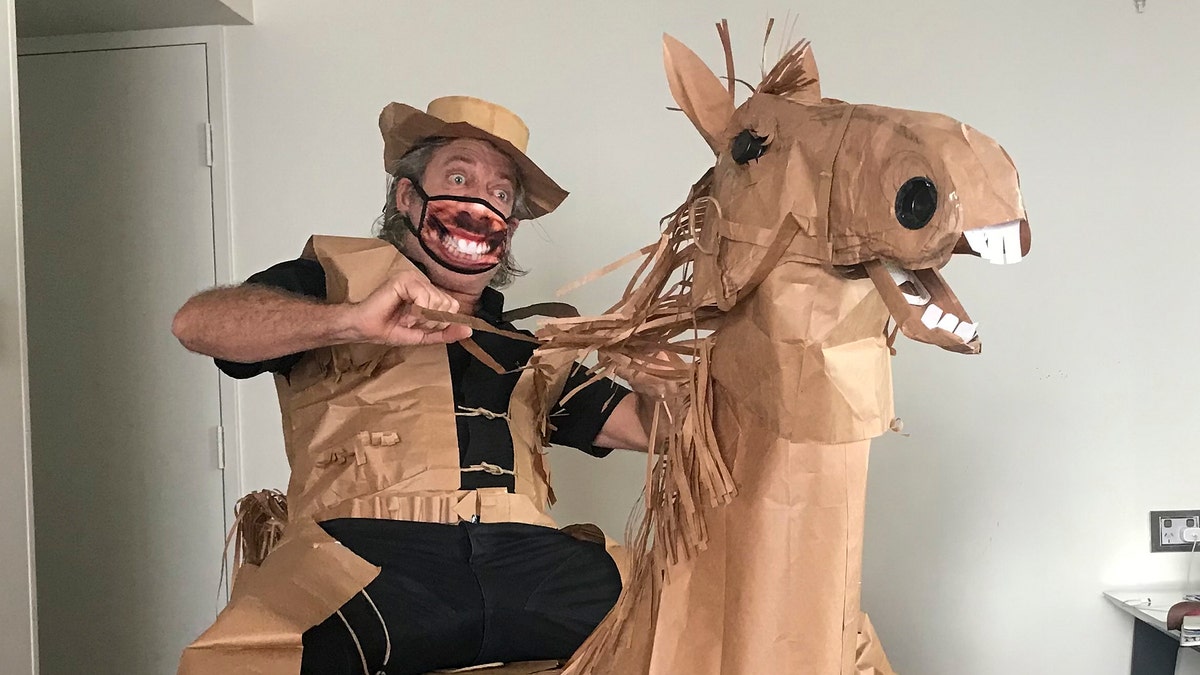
(978, 241)
(921, 298)
(934, 318)
(932, 315)
(901, 276)
(1012, 244)
(1001, 244)
(948, 322)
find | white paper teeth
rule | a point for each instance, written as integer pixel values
(932, 315)
(948, 323)
(1000, 244)
(901, 276)
(935, 318)
(966, 331)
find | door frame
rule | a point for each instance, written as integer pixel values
(213, 40)
(18, 568)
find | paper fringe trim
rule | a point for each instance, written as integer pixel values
(686, 473)
(659, 328)
(258, 523)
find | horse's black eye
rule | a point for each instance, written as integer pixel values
(916, 201)
(747, 146)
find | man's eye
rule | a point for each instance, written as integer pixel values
(458, 179)
(502, 196)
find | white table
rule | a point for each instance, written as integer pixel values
(1155, 649)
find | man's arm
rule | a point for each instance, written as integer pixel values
(628, 427)
(605, 416)
(252, 323)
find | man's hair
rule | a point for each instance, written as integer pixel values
(393, 225)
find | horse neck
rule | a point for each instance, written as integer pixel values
(805, 352)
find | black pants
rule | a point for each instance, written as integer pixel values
(457, 595)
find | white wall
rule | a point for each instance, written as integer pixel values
(18, 633)
(1024, 488)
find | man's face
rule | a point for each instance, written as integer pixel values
(463, 237)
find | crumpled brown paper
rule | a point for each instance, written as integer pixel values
(770, 291)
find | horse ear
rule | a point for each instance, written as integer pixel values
(810, 90)
(795, 76)
(705, 101)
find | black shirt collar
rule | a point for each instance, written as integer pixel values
(491, 306)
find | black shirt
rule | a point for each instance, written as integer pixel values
(475, 385)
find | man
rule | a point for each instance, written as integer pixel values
(398, 432)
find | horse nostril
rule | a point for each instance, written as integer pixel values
(747, 146)
(916, 202)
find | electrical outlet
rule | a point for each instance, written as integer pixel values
(1167, 527)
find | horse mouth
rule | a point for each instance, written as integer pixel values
(924, 306)
(926, 293)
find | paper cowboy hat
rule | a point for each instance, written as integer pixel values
(402, 126)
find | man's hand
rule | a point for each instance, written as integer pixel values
(628, 427)
(391, 315)
(652, 378)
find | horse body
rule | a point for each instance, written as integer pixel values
(819, 223)
(777, 588)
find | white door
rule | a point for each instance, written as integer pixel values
(118, 233)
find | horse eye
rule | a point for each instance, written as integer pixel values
(916, 202)
(747, 146)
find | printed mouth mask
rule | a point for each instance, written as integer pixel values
(464, 234)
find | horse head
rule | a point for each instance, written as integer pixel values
(860, 190)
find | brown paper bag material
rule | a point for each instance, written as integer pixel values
(870, 659)
(819, 221)
(782, 565)
(345, 421)
(826, 334)
(304, 580)
(527, 668)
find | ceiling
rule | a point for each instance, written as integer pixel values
(37, 18)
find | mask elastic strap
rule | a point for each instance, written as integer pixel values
(426, 198)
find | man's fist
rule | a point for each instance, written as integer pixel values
(391, 314)
(653, 378)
